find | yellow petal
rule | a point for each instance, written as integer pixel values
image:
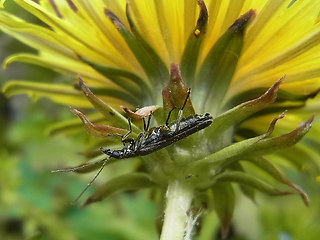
(282, 40)
(63, 94)
(1, 3)
(62, 64)
(83, 30)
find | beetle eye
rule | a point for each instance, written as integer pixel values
(108, 151)
(115, 154)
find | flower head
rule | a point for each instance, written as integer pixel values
(246, 64)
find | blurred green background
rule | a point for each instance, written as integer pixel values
(36, 204)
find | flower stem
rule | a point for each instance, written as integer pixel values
(179, 197)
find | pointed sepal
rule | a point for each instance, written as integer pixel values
(254, 182)
(272, 170)
(71, 125)
(243, 111)
(175, 94)
(282, 96)
(98, 130)
(253, 147)
(112, 116)
(141, 112)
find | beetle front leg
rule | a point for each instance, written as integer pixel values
(123, 140)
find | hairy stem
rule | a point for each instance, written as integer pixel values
(178, 200)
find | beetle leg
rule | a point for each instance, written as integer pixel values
(148, 124)
(167, 121)
(128, 133)
(181, 110)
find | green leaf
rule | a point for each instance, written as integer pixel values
(63, 94)
(224, 201)
(190, 54)
(217, 69)
(130, 181)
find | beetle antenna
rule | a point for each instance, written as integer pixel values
(75, 169)
(93, 179)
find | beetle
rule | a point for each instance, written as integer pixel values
(160, 137)
(156, 138)
(150, 140)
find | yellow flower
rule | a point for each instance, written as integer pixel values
(230, 53)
